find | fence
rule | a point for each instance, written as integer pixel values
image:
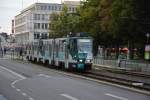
(132, 65)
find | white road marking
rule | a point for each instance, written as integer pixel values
(18, 90)
(13, 83)
(12, 86)
(69, 97)
(47, 76)
(117, 97)
(22, 77)
(16, 81)
(24, 94)
(31, 98)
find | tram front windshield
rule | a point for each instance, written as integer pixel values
(84, 46)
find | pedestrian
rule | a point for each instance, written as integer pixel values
(20, 52)
(4, 51)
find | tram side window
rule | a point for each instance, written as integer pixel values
(50, 49)
(61, 46)
(56, 47)
(73, 47)
(46, 46)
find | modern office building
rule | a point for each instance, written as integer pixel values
(33, 21)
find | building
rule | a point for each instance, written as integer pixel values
(72, 2)
(33, 22)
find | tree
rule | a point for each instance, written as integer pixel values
(65, 22)
(90, 20)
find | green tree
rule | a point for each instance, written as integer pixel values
(65, 22)
(90, 20)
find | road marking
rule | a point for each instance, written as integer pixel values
(16, 81)
(18, 90)
(31, 98)
(24, 94)
(47, 76)
(12, 86)
(69, 97)
(117, 97)
(22, 77)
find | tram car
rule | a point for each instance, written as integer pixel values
(72, 53)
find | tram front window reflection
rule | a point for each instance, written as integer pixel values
(84, 45)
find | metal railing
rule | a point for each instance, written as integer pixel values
(132, 65)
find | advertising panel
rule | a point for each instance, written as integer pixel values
(147, 52)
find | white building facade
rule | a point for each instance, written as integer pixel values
(33, 21)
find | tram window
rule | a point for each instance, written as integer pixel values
(56, 47)
(50, 49)
(61, 45)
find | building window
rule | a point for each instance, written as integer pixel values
(35, 17)
(35, 25)
(36, 35)
(46, 26)
(69, 8)
(49, 7)
(43, 17)
(46, 17)
(59, 8)
(42, 25)
(56, 8)
(38, 16)
(38, 25)
(52, 7)
(44, 36)
(42, 7)
(73, 9)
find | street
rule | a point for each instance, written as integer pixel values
(26, 81)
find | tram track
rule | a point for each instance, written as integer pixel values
(115, 80)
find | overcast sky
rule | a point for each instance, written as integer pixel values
(10, 8)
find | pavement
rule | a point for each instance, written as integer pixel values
(27, 81)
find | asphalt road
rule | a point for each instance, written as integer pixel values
(26, 81)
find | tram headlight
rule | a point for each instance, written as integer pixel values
(80, 60)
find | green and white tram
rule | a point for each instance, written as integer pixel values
(69, 53)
